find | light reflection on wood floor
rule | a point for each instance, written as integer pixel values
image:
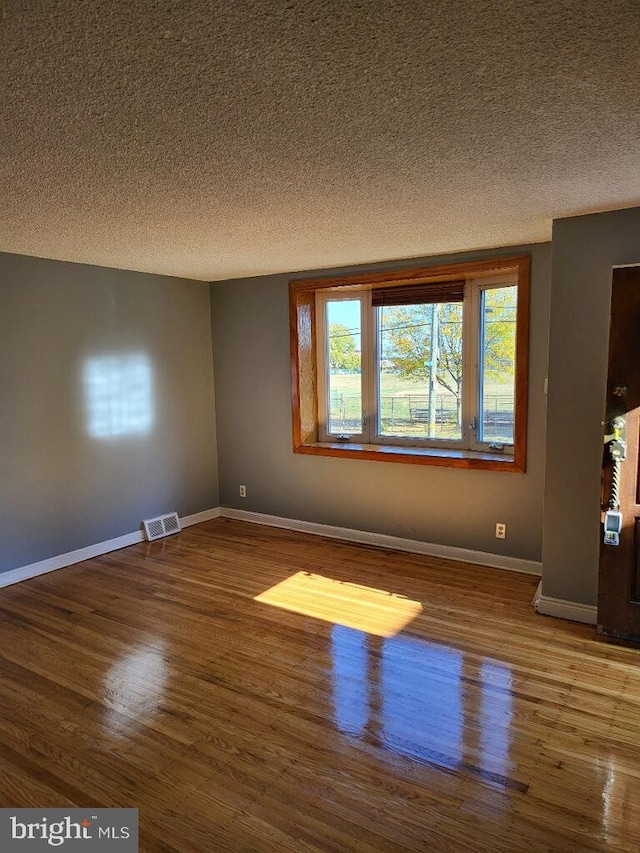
(152, 677)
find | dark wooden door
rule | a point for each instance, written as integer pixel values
(619, 578)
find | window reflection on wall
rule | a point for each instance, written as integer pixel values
(118, 395)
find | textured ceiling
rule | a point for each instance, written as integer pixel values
(225, 139)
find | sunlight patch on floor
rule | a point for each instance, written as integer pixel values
(364, 608)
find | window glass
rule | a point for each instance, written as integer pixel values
(344, 353)
(497, 364)
(420, 371)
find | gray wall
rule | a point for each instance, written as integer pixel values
(441, 505)
(60, 487)
(585, 249)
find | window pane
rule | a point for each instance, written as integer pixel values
(344, 345)
(420, 376)
(497, 364)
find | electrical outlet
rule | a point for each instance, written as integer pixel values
(243, 491)
(501, 530)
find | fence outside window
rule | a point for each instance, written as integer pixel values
(410, 413)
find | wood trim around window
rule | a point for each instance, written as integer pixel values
(304, 393)
(304, 377)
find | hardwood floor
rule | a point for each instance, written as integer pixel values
(153, 678)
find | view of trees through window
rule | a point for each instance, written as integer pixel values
(345, 366)
(420, 379)
(497, 364)
(420, 361)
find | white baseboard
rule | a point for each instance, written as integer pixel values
(365, 537)
(199, 517)
(50, 565)
(396, 543)
(544, 604)
(562, 609)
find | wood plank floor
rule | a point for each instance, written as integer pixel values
(437, 712)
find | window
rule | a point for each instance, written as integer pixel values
(426, 365)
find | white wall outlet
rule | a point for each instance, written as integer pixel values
(501, 530)
(243, 492)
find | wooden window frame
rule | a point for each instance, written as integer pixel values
(304, 366)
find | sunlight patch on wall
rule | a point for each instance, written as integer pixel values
(364, 608)
(119, 395)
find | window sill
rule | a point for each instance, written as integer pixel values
(443, 457)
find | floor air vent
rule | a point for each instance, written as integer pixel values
(163, 525)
